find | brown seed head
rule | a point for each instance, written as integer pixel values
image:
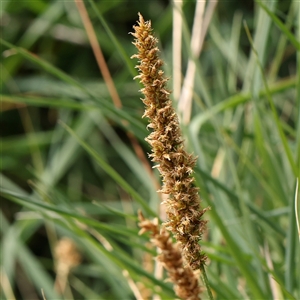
(173, 162)
(185, 280)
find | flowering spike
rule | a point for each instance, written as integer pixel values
(173, 162)
(184, 278)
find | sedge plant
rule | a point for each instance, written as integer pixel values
(74, 165)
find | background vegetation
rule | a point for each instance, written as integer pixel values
(84, 177)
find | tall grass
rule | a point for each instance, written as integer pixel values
(74, 162)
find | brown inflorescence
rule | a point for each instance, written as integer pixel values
(173, 162)
(66, 254)
(66, 257)
(186, 285)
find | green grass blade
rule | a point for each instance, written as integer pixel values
(35, 205)
(29, 264)
(291, 244)
(281, 26)
(236, 100)
(275, 114)
(237, 255)
(44, 65)
(125, 262)
(49, 102)
(110, 171)
(37, 29)
(297, 6)
(118, 46)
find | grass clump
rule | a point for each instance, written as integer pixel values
(73, 157)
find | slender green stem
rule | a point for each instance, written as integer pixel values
(205, 280)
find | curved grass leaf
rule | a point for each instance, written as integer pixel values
(27, 202)
(111, 172)
(280, 25)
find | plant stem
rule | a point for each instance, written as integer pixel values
(205, 280)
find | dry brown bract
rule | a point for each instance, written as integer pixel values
(185, 280)
(174, 163)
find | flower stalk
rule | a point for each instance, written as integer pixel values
(173, 162)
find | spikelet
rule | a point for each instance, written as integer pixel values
(186, 285)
